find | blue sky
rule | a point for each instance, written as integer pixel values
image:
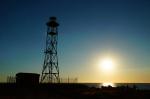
(89, 30)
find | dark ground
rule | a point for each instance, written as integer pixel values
(69, 91)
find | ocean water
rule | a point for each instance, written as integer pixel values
(141, 86)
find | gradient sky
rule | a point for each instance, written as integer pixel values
(89, 30)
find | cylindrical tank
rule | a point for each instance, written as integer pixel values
(27, 79)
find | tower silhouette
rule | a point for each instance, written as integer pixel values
(50, 72)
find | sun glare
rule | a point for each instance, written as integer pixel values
(108, 84)
(107, 64)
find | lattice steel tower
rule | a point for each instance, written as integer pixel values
(50, 72)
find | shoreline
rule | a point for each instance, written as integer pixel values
(69, 91)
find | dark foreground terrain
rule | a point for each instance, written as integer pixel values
(69, 91)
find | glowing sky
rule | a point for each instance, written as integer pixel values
(89, 31)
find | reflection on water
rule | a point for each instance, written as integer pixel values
(138, 85)
(107, 84)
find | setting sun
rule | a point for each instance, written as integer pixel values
(107, 64)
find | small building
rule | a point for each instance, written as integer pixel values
(27, 79)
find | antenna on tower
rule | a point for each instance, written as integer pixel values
(50, 71)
